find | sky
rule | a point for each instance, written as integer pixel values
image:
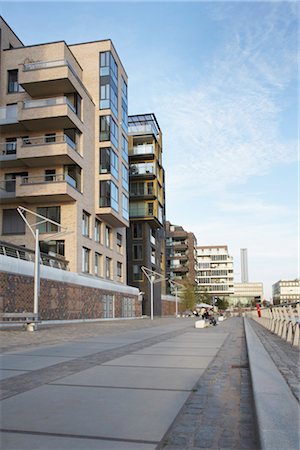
(222, 80)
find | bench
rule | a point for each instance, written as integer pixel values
(27, 318)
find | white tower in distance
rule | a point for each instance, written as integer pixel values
(244, 265)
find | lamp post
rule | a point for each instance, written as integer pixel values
(151, 274)
(176, 286)
(36, 294)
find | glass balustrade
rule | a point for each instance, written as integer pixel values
(8, 114)
(45, 102)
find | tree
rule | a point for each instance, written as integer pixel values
(222, 303)
(188, 296)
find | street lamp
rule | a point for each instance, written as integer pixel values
(151, 274)
(176, 286)
(21, 210)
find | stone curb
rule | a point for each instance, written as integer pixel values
(277, 411)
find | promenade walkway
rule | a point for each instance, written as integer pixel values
(128, 385)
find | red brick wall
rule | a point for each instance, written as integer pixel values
(168, 308)
(58, 300)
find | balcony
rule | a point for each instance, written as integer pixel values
(146, 151)
(56, 188)
(146, 170)
(8, 154)
(49, 113)
(112, 217)
(40, 151)
(43, 78)
(9, 119)
(180, 268)
(145, 211)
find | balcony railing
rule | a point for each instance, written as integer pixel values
(45, 102)
(46, 140)
(49, 64)
(142, 169)
(142, 129)
(140, 211)
(26, 254)
(50, 178)
(8, 114)
(142, 150)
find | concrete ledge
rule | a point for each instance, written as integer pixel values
(277, 410)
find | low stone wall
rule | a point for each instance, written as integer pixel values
(60, 298)
(168, 305)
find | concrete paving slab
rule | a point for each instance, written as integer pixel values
(171, 350)
(26, 362)
(108, 413)
(10, 373)
(189, 362)
(70, 350)
(20, 441)
(135, 377)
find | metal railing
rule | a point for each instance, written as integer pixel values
(282, 320)
(142, 169)
(8, 148)
(26, 254)
(44, 102)
(142, 149)
(46, 140)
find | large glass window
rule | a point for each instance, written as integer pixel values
(119, 242)
(137, 251)
(85, 260)
(108, 238)
(108, 271)
(12, 222)
(109, 195)
(52, 213)
(137, 273)
(85, 224)
(109, 162)
(97, 230)
(108, 82)
(124, 149)
(128, 307)
(12, 82)
(137, 230)
(108, 306)
(125, 177)
(125, 207)
(119, 271)
(109, 130)
(98, 264)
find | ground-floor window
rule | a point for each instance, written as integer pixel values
(128, 307)
(108, 306)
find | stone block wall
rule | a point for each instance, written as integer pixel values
(59, 300)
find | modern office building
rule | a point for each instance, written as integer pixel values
(286, 291)
(146, 235)
(180, 255)
(64, 150)
(246, 294)
(215, 271)
(244, 265)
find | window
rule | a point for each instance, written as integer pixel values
(10, 146)
(119, 271)
(109, 195)
(12, 82)
(12, 222)
(50, 137)
(125, 205)
(119, 242)
(138, 251)
(108, 273)
(109, 130)
(124, 116)
(137, 230)
(107, 237)
(109, 162)
(52, 213)
(137, 273)
(98, 264)
(85, 224)
(125, 177)
(150, 209)
(54, 247)
(97, 230)
(128, 307)
(108, 306)
(124, 149)
(50, 175)
(85, 260)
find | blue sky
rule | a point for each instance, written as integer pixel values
(222, 80)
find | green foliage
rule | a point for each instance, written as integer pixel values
(222, 303)
(188, 297)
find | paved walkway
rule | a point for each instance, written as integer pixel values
(134, 385)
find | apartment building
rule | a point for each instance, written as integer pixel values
(180, 254)
(146, 236)
(286, 291)
(215, 271)
(246, 294)
(64, 150)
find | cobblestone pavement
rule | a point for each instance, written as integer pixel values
(16, 339)
(219, 414)
(284, 355)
